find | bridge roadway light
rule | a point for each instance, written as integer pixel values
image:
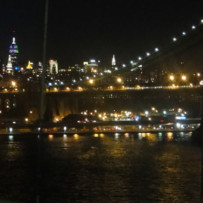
(148, 54)
(156, 49)
(201, 21)
(139, 58)
(174, 39)
(193, 27)
(183, 33)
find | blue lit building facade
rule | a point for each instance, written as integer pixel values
(12, 64)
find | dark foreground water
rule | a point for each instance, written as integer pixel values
(100, 168)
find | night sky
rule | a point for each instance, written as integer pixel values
(82, 29)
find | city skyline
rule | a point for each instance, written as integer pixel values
(78, 31)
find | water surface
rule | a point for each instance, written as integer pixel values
(139, 167)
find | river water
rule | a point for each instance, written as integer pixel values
(135, 167)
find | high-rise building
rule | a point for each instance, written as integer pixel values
(9, 66)
(29, 65)
(13, 55)
(53, 66)
(113, 63)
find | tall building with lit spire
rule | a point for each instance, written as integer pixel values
(9, 66)
(113, 63)
(13, 54)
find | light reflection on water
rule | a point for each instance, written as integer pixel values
(119, 167)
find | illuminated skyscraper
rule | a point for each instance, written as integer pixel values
(9, 66)
(113, 63)
(13, 55)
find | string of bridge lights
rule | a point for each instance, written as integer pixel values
(174, 39)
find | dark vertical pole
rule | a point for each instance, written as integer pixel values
(201, 140)
(42, 98)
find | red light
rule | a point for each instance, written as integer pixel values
(161, 121)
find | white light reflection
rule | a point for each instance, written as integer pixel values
(65, 136)
(10, 137)
(116, 135)
(140, 136)
(160, 136)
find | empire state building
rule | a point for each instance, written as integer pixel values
(13, 55)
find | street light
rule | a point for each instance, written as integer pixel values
(174, 39)
(183, 77)
(171, 77)
(13, 83)
(146, 113)
(193, 27)
(91, 81)
(119, 80)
